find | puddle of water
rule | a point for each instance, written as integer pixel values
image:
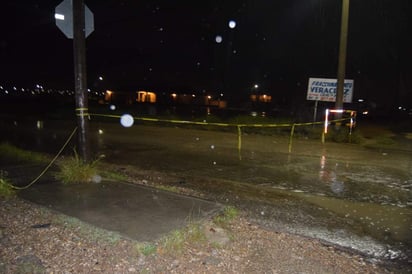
(384, 222)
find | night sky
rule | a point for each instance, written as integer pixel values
(167, 46)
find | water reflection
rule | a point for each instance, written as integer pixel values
(39, 124)
(329, 177)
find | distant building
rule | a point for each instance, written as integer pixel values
(146, 97)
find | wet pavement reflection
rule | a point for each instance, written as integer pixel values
(358, 197)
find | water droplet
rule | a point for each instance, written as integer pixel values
(126, 120)
(96, 179)
(232, 24)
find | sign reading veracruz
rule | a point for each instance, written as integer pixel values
(321, 89)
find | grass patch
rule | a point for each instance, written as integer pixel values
(168, 188)
(6, 189)
(146, 249)
(226, 217)
(115, 176)
(74, 170)
(175, 241)
(12, 152)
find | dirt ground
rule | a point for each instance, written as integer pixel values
(34, 239)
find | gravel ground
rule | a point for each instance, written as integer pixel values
(34, 239)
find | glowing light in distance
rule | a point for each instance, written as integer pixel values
(126, 120)
(112, 107)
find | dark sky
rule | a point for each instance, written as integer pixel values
(170, 46)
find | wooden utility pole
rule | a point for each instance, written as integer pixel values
(79, 52)
(342, 55)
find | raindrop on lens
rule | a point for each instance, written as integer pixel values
(96, 179)
(232, 24)
(112, 107)
(218, 39)
(126, 120)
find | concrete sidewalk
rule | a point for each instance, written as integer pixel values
(138, 212)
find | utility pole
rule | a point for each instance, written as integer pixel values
(342, 56)
(81, 98)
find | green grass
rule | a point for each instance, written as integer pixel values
(168, 188)
(226, 217)
(115, 176)
(6, 189)
(146, 249)
(12, 152)
(175, 241)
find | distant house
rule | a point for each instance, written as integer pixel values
(146, 97)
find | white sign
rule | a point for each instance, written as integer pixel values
(321, 89)
(64, 19)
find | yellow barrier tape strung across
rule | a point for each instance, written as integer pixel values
(49, 165)
(239, 126)
(82, 112)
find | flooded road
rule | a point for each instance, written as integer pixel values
(347, 194)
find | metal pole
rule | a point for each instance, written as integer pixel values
(79, 52)
(315, 111)
(342, 55)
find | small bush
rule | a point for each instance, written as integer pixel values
(74, 170)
